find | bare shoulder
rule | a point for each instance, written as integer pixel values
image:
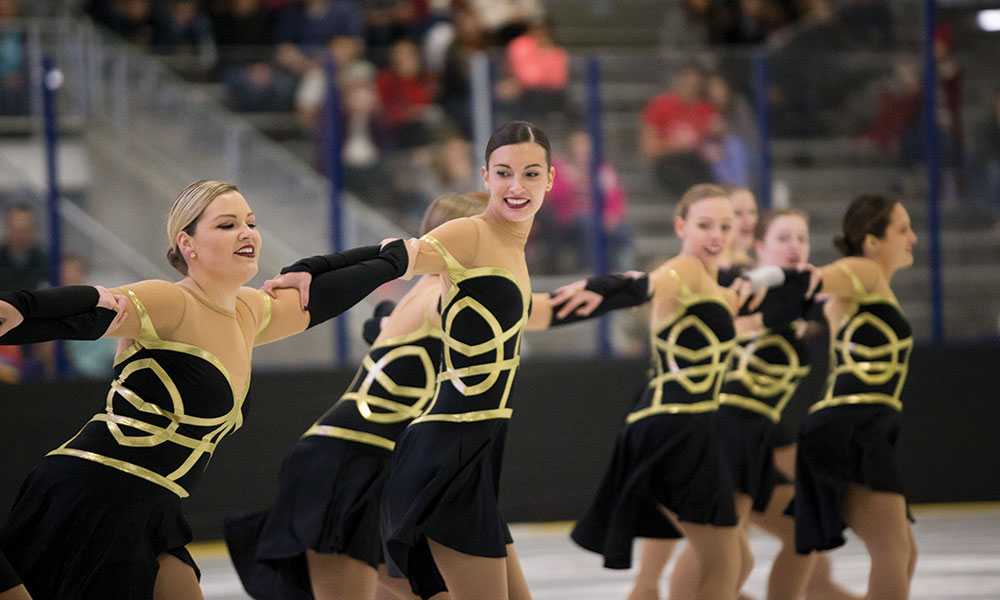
(868, 273)
(153, 291)
(460, 237)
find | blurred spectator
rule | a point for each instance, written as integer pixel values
(985, 161)
(674, 126)
(11, 364)
(86, 358)
(453, 91)
(452, 170)
(129, 19)
(537, 74)
(23, 263)
(568, 211)
(13, 72)
(306, 29)
(805, 71)
(346, 52)
(868, 24)
(387, 21)
(897, 109)
(731, 135)
(898, 124)
(181, 30)
(504, 20)
(406, 95)
(244, 32)
(726, 153)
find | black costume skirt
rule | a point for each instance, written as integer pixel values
(748, 448)
(444, 484)
(328, 501)
(839, 446)
(670, 460)
(8, 578)
(80, 530)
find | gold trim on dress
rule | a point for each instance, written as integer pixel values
(495, 345)
(696, 379)
(351, 435)
(761, 379)
(467, 417)
(266, 319)
(126, 467)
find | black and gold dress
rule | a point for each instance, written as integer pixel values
(764, 371)
(850, 434)
(668, 453)
(445, 472)
(95, 513)
(331, 483)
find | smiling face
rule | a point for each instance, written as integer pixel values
(894, 250)
(706, 230)
(785, 243)
(226, 242)
(517, 177)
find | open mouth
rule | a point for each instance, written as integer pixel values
(516, 203)
(246, 252)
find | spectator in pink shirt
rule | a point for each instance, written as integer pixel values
(568, 211)
(673, 128)
(537, 74)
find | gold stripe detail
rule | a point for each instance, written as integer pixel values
(350, 435)
(673, 409)
(268, 308)
(427, 329)
(125, 467)
(468, 417)
(857, 399)
(752, 405)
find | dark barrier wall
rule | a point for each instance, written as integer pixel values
(566, 417)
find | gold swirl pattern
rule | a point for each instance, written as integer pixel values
(878, 365)
(492, 349)
(764, 380)
(156, 434)
(702, 376)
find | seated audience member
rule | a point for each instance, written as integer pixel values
(537, 74)
(406, 96)
(567, 234)
(89, 359)
(674, 125)
(13, 66)
(985, 161)
(504, 20)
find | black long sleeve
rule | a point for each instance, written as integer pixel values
(787, 302)
(85, 326)
(53, 303)
(334, 291)
(618, 292)
(323, 263)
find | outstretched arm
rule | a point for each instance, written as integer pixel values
(67, 313)
(329, 285)
(590, 298)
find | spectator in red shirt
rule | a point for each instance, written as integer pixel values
(406, 94)
(674, 126)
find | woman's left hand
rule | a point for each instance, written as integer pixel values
(10, 317)
(297, 280)
(121, 303)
